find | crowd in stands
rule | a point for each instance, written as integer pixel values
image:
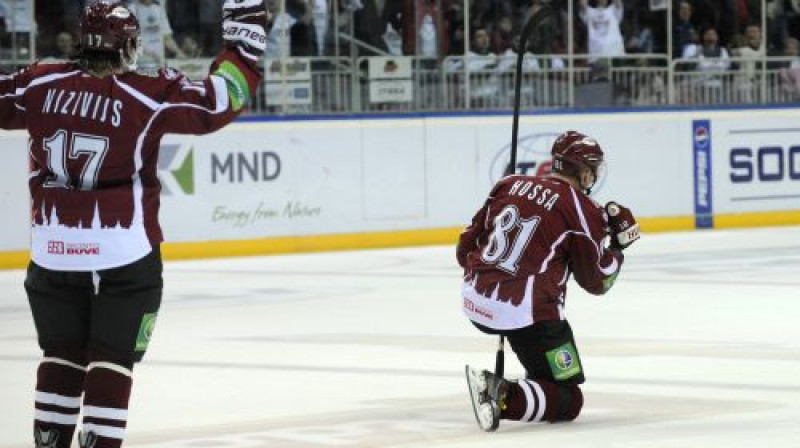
(432, 28)
(707, 32)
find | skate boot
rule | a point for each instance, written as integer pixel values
(45, 438)
(87, 439)
(488, 393)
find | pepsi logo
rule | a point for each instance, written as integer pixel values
(701, 136)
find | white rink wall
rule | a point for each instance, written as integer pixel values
(296, 178)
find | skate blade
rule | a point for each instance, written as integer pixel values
(487, 414)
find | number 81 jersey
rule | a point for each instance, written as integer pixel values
(523, 245)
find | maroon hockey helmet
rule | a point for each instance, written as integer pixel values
(582, 153)
(564, 140)
(108, 27)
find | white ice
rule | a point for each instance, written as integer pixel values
(698, 345)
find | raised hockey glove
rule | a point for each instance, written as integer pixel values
(245, 24)
(624, 229)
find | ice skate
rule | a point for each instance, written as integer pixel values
(87, 439)
(485, 390)
(45, 439)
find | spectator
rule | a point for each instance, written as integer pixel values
(156, 34)
(370, 24)
(190, 48)
(712, 60)
(502, 36)
(693, 46)
(789, 74)
(602, 22)
(481, 56)
(735, 14)
(683, 29)
(454, 16)
(711, 56)
(320, 13)
(641, 39)
(283, 39)
(209, 16)
(428, 32)
(481, 62)
(302, 34)
(65, 46)
(783, 20)
(753, 47)
(393, 37)
(749, 53)
(279, 37)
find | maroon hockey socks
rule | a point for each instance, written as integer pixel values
(59, 386)
(536, 401)
(105, 404)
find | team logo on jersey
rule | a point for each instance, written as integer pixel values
(55, 247)
(176, 169)
(533, 158)
(145, 332)
(171, 74)
(564, 362)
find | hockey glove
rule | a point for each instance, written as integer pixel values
(624, 229)
(245, 26)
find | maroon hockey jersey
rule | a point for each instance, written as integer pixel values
(522, 246)
(94, 151)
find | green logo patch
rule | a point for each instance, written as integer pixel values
(145, 332)
(564, 362)
(238, 89)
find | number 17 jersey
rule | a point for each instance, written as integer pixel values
(93, 152)
(523, 245)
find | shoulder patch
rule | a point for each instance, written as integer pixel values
(171, 73)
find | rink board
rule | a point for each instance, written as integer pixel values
(293, 185)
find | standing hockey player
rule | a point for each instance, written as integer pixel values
(530, 236)
(94, 283)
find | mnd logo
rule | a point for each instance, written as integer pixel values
(176, 170)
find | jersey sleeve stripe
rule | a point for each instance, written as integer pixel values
(141, 97)
(220, 93)
(579, 209)
(47, 79)
(553, 247)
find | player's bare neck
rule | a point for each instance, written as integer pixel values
(572, 181)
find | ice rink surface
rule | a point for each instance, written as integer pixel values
(697, 345)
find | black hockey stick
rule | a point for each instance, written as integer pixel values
(499, 363)
(539, 16)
